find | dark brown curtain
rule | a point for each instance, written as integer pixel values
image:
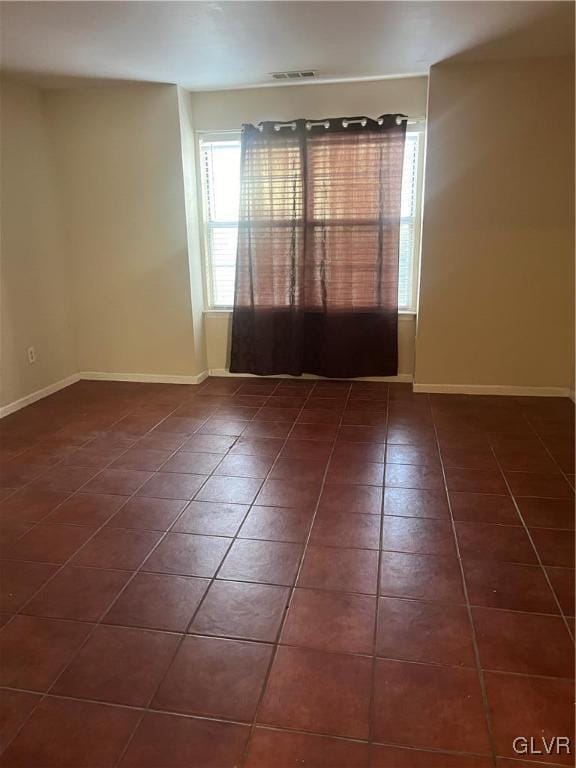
(317, 263)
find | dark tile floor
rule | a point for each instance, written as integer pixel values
(278, 573)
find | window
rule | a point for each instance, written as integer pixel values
(220, 163)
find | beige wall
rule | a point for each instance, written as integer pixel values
(35, 272)
(497, 275)
(119, 158)
(227, 110)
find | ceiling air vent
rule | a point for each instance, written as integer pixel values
(296, 75)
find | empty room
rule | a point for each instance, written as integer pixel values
(287, 384)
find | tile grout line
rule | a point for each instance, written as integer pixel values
(186, 633)
(63, 565)
(292, 588)
(537, 554)
(239, 528)
(479, 670)
(372, 698)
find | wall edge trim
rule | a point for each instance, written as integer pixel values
(145, 378)
(491, 389)
(401, 377)
(38, 394)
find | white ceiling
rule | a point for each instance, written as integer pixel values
(213, 45)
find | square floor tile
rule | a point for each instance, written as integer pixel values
(211, 676)
(506, 543)
(64, 478)
(254, 446)
(83, 594)
(523, 642)
(267, 562)
(475, 480)
(158, 601)
(30, 505)
(209, 443)
(306, 449)
(302, 470)
(427, 577)
(276, 524)
(316, 691)
(355, 471)
(15, 708)
(554, 547)
(547, 513)
(537, 706)
(71, 733)
(484, 508)
(340, 529)
(468, 457)
(424, 456)
(188, 555)
(349, 434)
(412, 476)
(172, 485)
(174, 742)
(92, 509)
(346, 570)
(412, 534)
(35, 651)
(562, 580)
(20, 580)
(241, 465)
(330, 621)
(13, 474)
(240, 610)
(118, 665)
(120, 481)
(285, 749)
(179, 425)
(412, 630)
(148, 514)
(549, 486)
(319, 416)
(450, 697)
(363, 417)
(273, 429)
(211, 518)
(222, 426)
(149, 459)
(117, 548)
(360, 499)
(49, 543)
(289, 493)
(315, 432)
(369, 452)
(193, 463)
(408, 502)
(230, 490)
(508, 585)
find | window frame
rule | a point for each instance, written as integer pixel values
(207, 267)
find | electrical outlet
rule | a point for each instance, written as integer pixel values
(31, 352)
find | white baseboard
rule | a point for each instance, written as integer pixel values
(152, 378)
(491, 389)
(33, 397)
(149, 378)
(401, 377)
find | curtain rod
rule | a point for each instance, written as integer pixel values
(408, 120)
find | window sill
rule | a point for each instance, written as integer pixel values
(218, 312)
